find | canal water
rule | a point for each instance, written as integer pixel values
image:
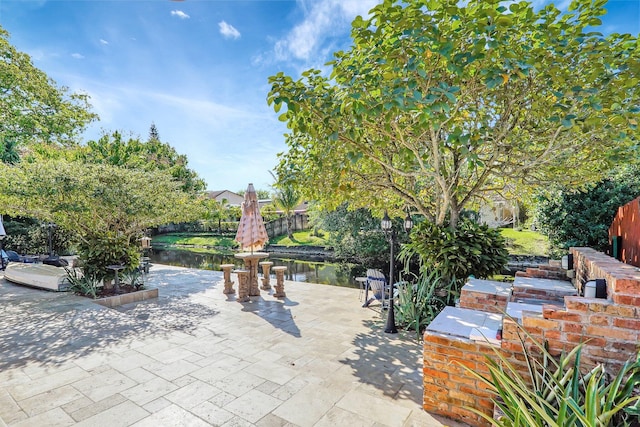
(299, 270)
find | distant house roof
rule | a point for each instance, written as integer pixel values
(301, 208)
(214, 194)
(233, 199)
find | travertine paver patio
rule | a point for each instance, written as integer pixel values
(196, 357)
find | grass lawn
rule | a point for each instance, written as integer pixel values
(518, 242)
(194, 239)
(525, 242)
(300, 238)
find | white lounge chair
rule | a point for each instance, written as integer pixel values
(377, 283)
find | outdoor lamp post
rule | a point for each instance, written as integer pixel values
(387, 227)
(3, 234)
(51, 227)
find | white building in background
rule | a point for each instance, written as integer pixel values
(233, 199)
(499, 212)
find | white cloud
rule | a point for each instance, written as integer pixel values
(180, 14)
(77, 56)
(321, 19)
(228, 30)
(103, 41)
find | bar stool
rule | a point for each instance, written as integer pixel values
(228, 283)
(279, 270)
(243, 285)
(266, 266)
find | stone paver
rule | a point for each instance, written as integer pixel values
(195, 356)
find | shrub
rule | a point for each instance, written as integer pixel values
(98, 252)
(83, 284)
(418, 304)
(355, 236)
(133, 277)
(582, 218)
(559, 392)
(30, 236)
(471, 249)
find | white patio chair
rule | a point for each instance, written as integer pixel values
(377, 284)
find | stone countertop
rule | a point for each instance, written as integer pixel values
(471, 324)
(491, 287)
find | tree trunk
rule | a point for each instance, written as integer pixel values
(289, 227)
(454, 212)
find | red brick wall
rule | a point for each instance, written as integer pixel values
(484, 302)
(610, 329)
(627, 224)
(449, 388)
(623, 280)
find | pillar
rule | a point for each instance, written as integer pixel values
(228, 283)
(243, 285)
(266, 266)
(279, 281)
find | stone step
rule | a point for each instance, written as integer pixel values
(555, 263)
(547, 267)
(542, 274)
(542, 289)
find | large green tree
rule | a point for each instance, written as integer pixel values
(105, 208)
(215, 211)
(440, 102)
(150, 155)
(32, 107)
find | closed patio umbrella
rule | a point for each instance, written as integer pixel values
(251, 234)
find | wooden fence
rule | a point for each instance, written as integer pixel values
(276, 227)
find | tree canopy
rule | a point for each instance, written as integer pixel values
(105, 208)
(87, 198)
(32, 107)
(582, 218)
(286, 197)
(438, 103)
(132, 153)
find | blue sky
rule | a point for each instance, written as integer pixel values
(198, 69)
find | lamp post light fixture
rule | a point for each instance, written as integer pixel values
(387, 227)
(3, 234)
(50, 226)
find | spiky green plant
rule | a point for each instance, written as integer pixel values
(559, 392)
(419, 303)
(86, 284)
(133, 277)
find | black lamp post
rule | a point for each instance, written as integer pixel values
(387, 227)
(51, 227)
(3, 234)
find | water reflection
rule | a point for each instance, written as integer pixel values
(297, 269)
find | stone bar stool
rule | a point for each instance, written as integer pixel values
(279, 270)
(243, 285)
(254, 290)
(266, 266)
(228, 283)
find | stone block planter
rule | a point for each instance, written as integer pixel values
(130, 297)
